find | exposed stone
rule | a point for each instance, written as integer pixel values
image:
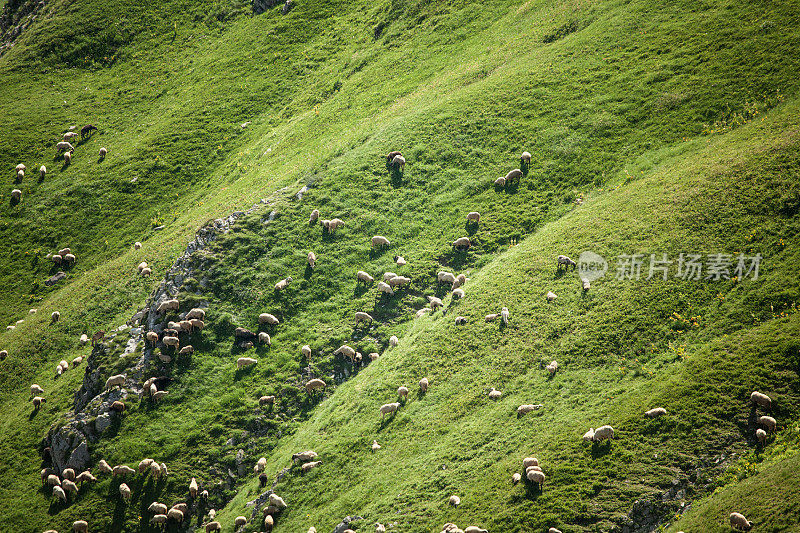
(102, 422)
(55, 278)
(345, 523)
(259, 6)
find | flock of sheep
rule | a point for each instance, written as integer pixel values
(66, 482)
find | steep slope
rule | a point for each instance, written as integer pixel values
(599, 93)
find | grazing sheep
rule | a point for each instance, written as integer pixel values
(379, 528)
(492, 317)
(500, 182)
(19, 167)
(3, 354)
(151, 337)
(266, 400)
(552, 367)
(551, 296)
(282, 284)
(768, 422)
(168, 305)
(153, 390)
(512, 175)
(59, 370)
(399, 162)
(122, 470)
(474, 216)
(175, 514)
(67, 158)
(59, 493)
(586, 285)
(389, 408)
(266, 318)
(458, 294)
(375, 446)
(260, 465)
(159, 520)
(312, 259)
(400, 260)
(462, 243)
(454, 500)
(566, 262)
(445, 277)
(157, 508)
(516, 478)
(504, 315)
(603, 433)
(104, 467)
(345, 350)
(423, 385)
(304, 456)
(761, 399)
(475, 529)
(393, 341)
(399, 281)
(64, 146)
(146, 272)
(385, 288)
(213, 526)
(169, 340)
(264, 338)
(70, 135)
(77, 360)
(189, 349)
(141, 266)
(379, 241)
(761, 435)
(314, 216)
(197, 324)
(363, 276)
(84, 340)
(156, 471)
(20, 175)
(306, 350)
(529, 461)
(243, 362)
(535, 476)
(117, 406)
(315, 384)
(68, 474)
(435, 302)
(125, 492)
(526, 156)
(277, 501)
(193, 488)
(144, 465)
(389, 275)
(423, 311)
(373, 356)
(36, 389)
(655, 413)
(239, 521)
(460, 320)
(116, 380)
(363, 317)
(527, 408)
(137, 245)
(738, 521)
(53, 480)
(334, 224)
(55, 316)
(553, 530)
(391, 155)
(196, 312)
(103, 153)
(495, 394)
(269, 523)
(80, 526)
(16, 194)
(308, 466)
(402, 392)
(85, 476)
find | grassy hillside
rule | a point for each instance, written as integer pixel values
(652, 112)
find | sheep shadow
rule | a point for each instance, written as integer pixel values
(512, 187)
(471, 227)
(118, 522)
(396, 177)
(64, 165)
(308, 272)
(532, 490)
(385, 420)
(33, 414)
(14, 201)
(559, 273)
(359, 290)
(241, 372)
(100, 159)
(601, 449)
(375, 253)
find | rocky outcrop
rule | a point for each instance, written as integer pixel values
(16, 17)
(259, 6)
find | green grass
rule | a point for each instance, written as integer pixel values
(651, 111)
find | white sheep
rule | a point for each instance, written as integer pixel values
(243, 362)
(535, 476)
(400, 260)
(445, 277)
(266, 318)
(399, 162)
(19, 167)
(363, 276)
(738, 521)
(67, 157)
(552, 367)
(526, 156)
(196, 312)
(151, 337)
(314, 216)
(475, 529)
(761, 435)
(64, 146)
(385, 288)
(389, 408)
(551, 296)
(306, 351)
(462, 243)
(141, 266)
(504, 315)
(566, 262)
(157, 508)
(277, 501)
(36, 389)
(38, 401)
(16, 194)
(59, 493)
(104, 467)
(122, 470)
(80, 526)
(516, 478)
(55, 316)
(315, 384)
(393, 341)
(492, 317)
(345, 350)
(3, 354)
(144, 465)
(266, 400)
(282, 284)
(375, 446)
(312, 259)
(435, 302)
(261, 465)
(169, 340)
(334, 224)
(363, 317)
(175, 514)
(768, 422)
(512, 175)
(527, 408)
(423, 385)
(84, 340)
(378, 241)
(239, 521)
(761, 399)
(585, 284)
(389, 275)
(213, 526)
(473, 216)
(264, 338)
(402, 392)
(495, 394)
(454, 500)
(137, 245)
(500, 182)
(458, 294)
(103, 153)
(115, 380)
(168, 305)
(20, 175)
(42, 171)
(656, 412)
(193, 488)
(529, 461)
(373, 356)
(70, 135)
(399, 281)
(603, 433)
(308, 466)
(125, 492)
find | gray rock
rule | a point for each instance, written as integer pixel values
(345, 523)
(55, 278)
(79, 459)
(102, 422)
